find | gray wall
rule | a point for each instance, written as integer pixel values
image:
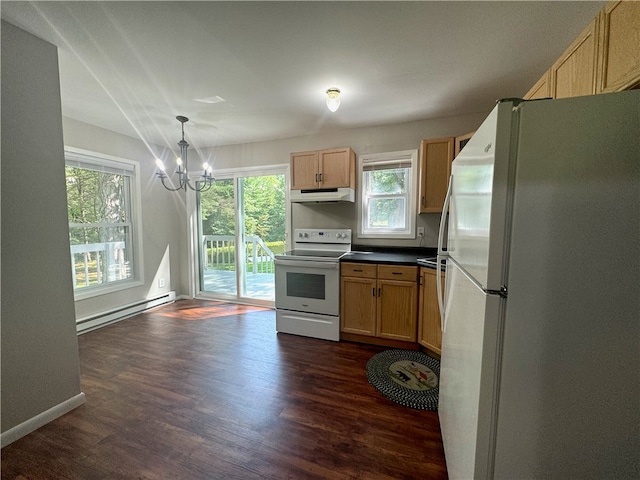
(40, 366)
(379, 139)
(164, 224)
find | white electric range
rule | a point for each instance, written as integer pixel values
(308, 283)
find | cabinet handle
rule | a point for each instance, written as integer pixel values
(357, 269)
(422, 201)
(321, 177)
(378, 291)
(316, 178)
(373, 291)
(396, 273)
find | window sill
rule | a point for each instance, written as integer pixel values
(390, 236)
(91, 292)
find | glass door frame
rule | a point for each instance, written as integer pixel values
(194, 226)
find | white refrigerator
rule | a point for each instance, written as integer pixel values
(540, 366)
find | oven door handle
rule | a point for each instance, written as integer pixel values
(308, 264)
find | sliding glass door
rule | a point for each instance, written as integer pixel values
(242, 225)
(217, 219)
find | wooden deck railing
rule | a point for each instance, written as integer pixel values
(100, 263)
(219, 253)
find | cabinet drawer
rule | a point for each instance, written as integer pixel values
(398, 272)
(366, 270)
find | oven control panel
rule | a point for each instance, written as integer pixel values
(313, 235)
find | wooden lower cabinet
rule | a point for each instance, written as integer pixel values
(379, 302)
(429, 330)
(358, 305)
(397, 309)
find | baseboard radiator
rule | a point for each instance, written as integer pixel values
(86, 324)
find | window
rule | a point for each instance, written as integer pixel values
(102, 211)
(387, 207)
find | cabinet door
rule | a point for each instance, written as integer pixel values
(358, 305)
(541, 89)
(429, 330)
(397, 310)
(435, 167)
(304, 170)
(573, 74)
(337, 168)
(619, 50)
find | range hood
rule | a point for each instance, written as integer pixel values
(323, 195)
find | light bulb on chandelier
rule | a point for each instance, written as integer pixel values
(202, 184)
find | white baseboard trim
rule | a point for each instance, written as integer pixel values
(40, 420)
(86, 324)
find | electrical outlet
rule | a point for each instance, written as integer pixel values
(421, 231)
(161, 283)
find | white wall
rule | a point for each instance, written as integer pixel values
(40, 367)
(388, 138)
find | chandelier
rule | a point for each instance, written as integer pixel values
(201, 184)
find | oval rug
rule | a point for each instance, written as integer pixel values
(406, 377)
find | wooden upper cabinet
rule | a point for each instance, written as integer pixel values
(435, 167)
(331, 168)
(337, 168)
(541, 89)
(304, 170)
(604, 58)
(460, 142)
(573, 74)
(619, 50)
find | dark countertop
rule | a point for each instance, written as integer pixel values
(427, 262)
(389, 255)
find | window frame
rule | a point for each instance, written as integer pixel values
(74, 157)
(403, 156)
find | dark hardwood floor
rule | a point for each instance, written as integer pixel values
(205, 390)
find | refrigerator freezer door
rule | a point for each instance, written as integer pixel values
(478, 205)
(468, 376)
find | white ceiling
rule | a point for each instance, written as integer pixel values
(132, 67)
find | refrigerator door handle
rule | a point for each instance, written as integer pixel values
(442, 253)
(443, 218)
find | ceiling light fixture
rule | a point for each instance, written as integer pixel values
(333, 99)
(201, 185)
